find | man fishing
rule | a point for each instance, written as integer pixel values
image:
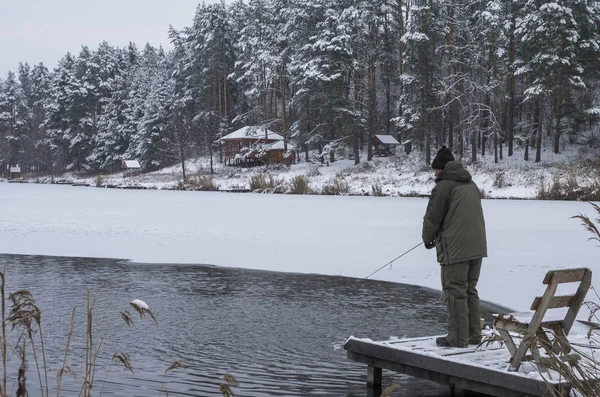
(455, 226)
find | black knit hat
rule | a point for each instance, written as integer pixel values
(441, 158)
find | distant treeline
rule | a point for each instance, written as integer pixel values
(483, 77)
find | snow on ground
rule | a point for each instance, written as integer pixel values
(400, 175)
(332, 235)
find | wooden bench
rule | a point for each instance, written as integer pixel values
(539, 330)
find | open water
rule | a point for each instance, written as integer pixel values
(278, 334)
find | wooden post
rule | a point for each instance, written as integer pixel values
(374, 381)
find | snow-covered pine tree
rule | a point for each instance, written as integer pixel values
(13, 123)
(421, 73)
(116, 124)
(550, 38)
(37, 99)
(322, 68)
(59, 117)
(255, 64)
(148, 106)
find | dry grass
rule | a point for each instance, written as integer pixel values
(261, 183)
(228, 382)
(26, 317)
(300, 185)
(377, 190)
(568, 189)
(198, 183)
(589, 225)
(387, 392)
(582, 374)
(337, 187)
(100, 181)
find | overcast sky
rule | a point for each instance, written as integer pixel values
(44, 30)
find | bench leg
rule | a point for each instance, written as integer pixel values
(374, 381)
(374, 376)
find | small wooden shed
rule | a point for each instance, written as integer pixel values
(277, 154)
(14, 171)
(384, 145)
(130, 167)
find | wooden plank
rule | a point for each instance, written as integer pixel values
(425, 365)
(511, 386)
(508, 341)
(580, 295)
(565, 275)
(536, 321)
(555, 302)
(551, 362)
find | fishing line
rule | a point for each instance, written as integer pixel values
(393, 260)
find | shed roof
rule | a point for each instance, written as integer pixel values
(279, 146)
(387, 139)
(252, 132)
(131, 164)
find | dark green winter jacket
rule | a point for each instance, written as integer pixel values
(454, 217)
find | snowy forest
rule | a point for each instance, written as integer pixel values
(482, 77)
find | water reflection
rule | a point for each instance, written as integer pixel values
(278, 334)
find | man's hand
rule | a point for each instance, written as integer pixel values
(430, 245)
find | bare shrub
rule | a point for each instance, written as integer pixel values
(337, 187)
(300, 185)
(568, 189)
(260, 183)
(499, 180)
(205, 183)
(100, 181)
(377, 190)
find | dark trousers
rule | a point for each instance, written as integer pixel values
(459, 283)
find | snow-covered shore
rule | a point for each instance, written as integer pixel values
(400, 175)
(332, 235)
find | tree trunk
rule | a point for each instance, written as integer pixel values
(450, 128)
(182, 159)
(283, 112)
(358, 107)
(372, 110)
(355, 147)
(461, 143)
(540, 111)
(428, 150)
(210, 151)
(510, 133)
(557, 127)
(500, 146)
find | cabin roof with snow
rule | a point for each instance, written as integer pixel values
(387, 139)
(130, 164)
(253, 133)
(279, 146)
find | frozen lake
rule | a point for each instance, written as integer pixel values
(347, 236)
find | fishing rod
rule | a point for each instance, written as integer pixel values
(394, 260)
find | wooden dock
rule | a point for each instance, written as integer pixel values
(481, 369)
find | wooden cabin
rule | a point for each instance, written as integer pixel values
(384, 145)
(248, 144)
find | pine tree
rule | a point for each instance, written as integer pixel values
(550, 38)
(322, 69)
(13, 123)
